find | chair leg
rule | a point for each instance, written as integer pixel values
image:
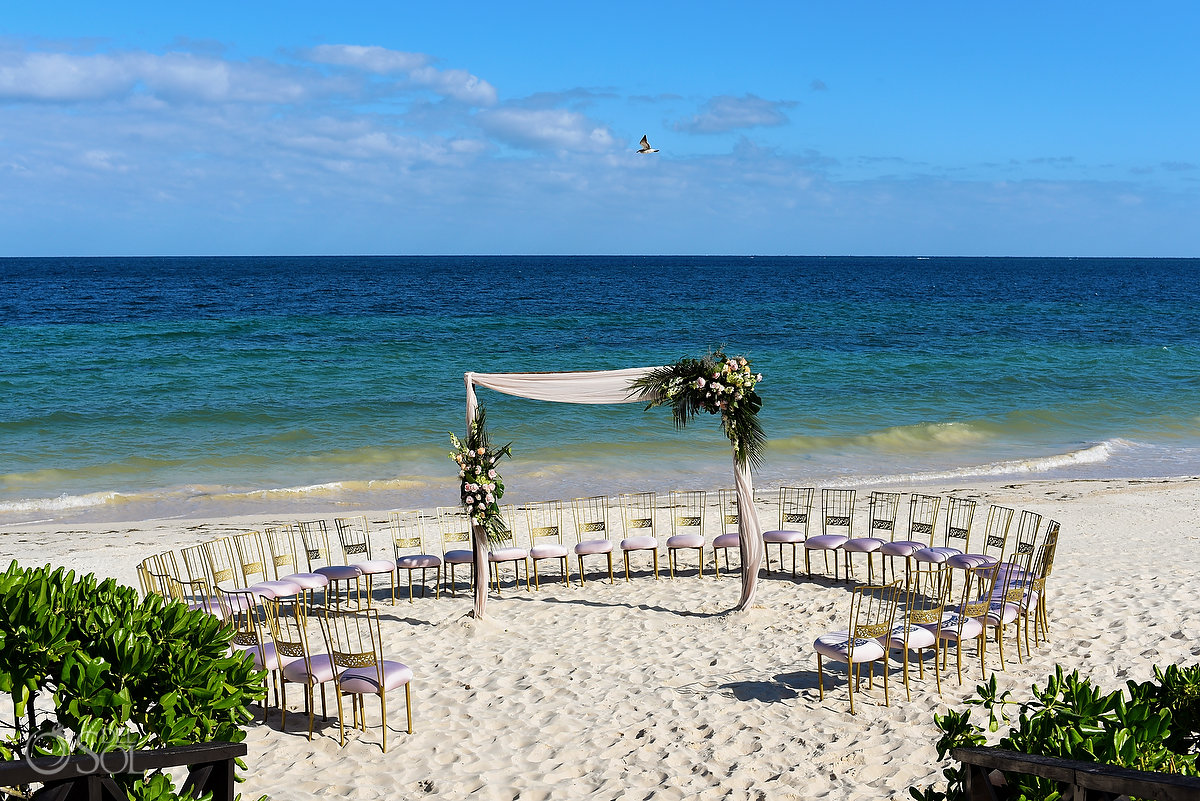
(580, 571)
(382, 714)
(611, 579)
(700, 562)
(716, 564)
(408, 704)
(626, 567)
(820, 674)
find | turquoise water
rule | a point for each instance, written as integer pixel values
(133, 388)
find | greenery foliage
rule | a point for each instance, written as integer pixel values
(717, 384)
(123, 672)
(481, 485)
(1152, 726)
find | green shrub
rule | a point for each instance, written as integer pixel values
(1154, 728)
(123, 672)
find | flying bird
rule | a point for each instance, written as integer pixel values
(646, 146)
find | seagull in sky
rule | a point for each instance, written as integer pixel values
(646, 146)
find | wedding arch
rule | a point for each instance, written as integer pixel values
(716, 384)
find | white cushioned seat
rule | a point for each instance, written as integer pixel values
(458, 557)
(904, 548)
(936, 555)
(418, 560)
(783, 535)
(308, 581)
(948, 628)
(339, 572)
(685, 541)
(372, 566)
(276, 589)
(507, 555)
(918, 637)
(962, 561)
(213, 607)
(727, 541)
(269, 659)
(549, 550)
(1001, 612)
(366, 679)
(642, 543)
(593, 546)
(322, 670)
(825, 542)
(836, 645)
(863, 545)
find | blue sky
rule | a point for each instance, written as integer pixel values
(792, 128)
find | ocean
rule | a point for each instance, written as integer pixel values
(136, 388)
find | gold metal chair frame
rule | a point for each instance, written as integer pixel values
(692, 503)
(543, 519)
(354, 535)
(407, 532)
(872, 617)
(638, 517)
(795, 509)
(590, 516)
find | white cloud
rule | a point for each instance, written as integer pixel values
(375, 59)
(547, 129)
(64, 78)
(727, 113)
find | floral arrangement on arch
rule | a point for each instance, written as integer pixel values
(481, 486)
(717, 384)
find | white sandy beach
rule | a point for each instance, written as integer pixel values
(648, 690)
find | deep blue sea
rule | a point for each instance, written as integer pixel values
(133, 388)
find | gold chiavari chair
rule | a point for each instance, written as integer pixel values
(923, 604)
(455, 526)
(922, 526)
(314, 539)
(353, 641)
(730, 523)
(995, 537)
(543, 519)
(1010, 581)
(956, 539)
(247, 550)
(638, 513)
(882, 510)
(837, 526)
(408, 545)
(590, 516)
(687, 527)
(965, 621)
(280, 547)
(288, 619)
(506, 550)
(251, 635)
(795, 511)
(864, 640)
(1035, 595)
(354, 534)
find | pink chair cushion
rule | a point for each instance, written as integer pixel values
(642, 543)
(322, 670)
(508, 555)
(268, 659)
(936, 555)
(918, 637)
(366, 679)
(458, 557)
(685, 541)
(905, 548)
(308, 581)
(276, 589)
(549, 550)
(372, 566)
(339, 572)
(727, 541)
(418, 560)
(783, 535)
(593, 546)
(825, 542)
(1000, 612)
(836, 645)
(213, 607)
(964, 560)
(863, 545)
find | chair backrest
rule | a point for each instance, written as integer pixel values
(407, 532)
(883, 508)
(872, 613)
(926, 595)
(544, 521)
(960, 512)
(244, 615)
(224, 568)
(1043, 563)
(195, 565)
(976, 598)
(727, 501)
(352, 639)
(638, 513)
(1023, 550)
(687, 511)
(280, 542)
(455, 526)
(287, 619)
(248, 549)
(795, 508)
(314, 541)
(837, 511)
(354, 535)
(995, 533)
(590, 517)
(506, 535)
(922, 517)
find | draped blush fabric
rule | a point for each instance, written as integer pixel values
(598, 387)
